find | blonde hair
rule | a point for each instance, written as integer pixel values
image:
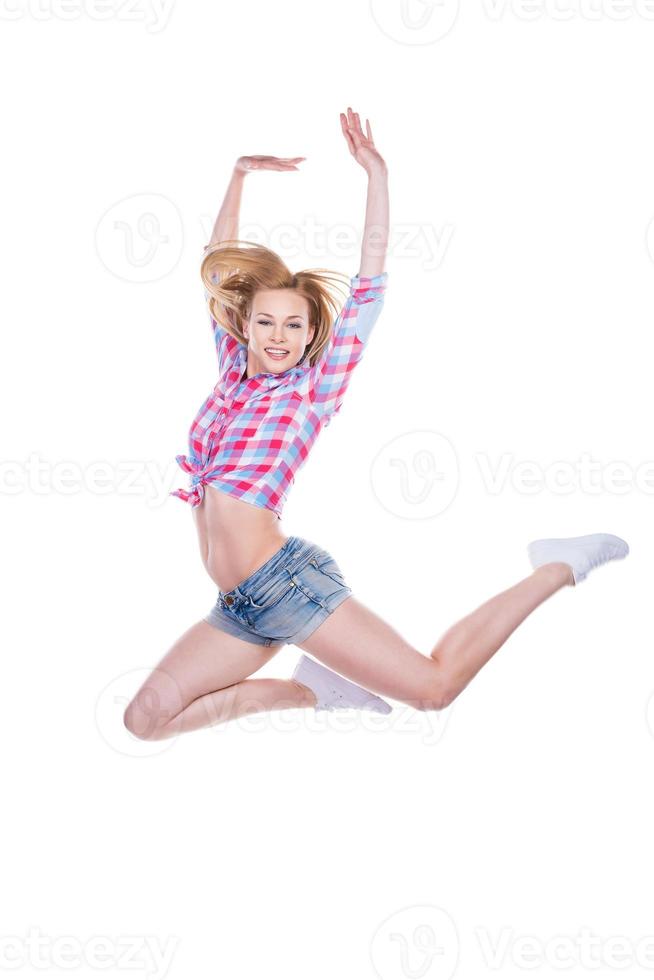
(233, 270)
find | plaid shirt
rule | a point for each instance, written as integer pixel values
(249, 438)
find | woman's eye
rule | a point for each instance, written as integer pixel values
(266, 323)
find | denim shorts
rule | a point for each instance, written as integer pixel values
(285, 599)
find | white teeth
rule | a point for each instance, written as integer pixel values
(276, 350)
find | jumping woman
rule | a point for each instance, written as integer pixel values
(284, 365)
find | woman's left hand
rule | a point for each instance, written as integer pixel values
(361, 147)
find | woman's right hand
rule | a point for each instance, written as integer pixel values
(245, 165)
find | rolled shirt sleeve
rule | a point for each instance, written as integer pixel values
(331, 374)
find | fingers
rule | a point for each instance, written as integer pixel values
(273, 163)
(347, 134)
(354, 126)
(282, 163)
(356, 122)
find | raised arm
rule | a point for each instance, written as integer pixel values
(375, 233)
(331, 374)
(226, 224)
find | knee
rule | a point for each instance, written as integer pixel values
(142, 723)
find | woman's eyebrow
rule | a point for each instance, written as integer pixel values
(289, 317)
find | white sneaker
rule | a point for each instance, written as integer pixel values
(582, 554)
(334, 691)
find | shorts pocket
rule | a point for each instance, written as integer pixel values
(278, 618)
(267, 594)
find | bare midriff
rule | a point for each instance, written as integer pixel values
(235, 537)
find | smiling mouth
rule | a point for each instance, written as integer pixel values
(277, 353)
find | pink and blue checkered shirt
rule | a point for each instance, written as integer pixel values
(249, 438)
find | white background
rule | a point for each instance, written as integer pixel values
(521, 139)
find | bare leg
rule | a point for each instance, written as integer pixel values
(201, 682)
(464, 649)
(360, 645)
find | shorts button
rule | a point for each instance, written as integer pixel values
(229, 599)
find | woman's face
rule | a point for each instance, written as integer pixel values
(279, 321)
